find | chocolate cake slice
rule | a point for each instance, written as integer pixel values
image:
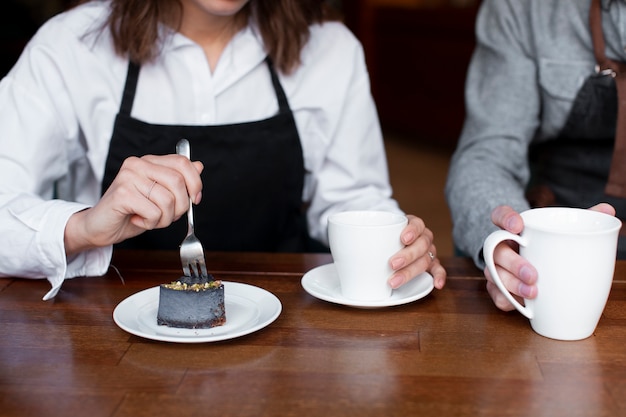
(190, 304)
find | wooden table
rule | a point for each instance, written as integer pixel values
(451, 353)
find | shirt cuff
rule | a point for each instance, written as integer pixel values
(94, 262)
(50, 243)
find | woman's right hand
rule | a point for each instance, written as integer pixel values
(517, 274)
(148, 193)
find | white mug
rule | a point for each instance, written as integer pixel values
(361, 243)
(573, 251)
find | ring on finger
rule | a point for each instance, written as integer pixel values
(150, 190)
(431, 255)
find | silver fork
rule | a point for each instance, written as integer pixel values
(191, 252)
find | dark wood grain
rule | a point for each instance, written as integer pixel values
(451, 353)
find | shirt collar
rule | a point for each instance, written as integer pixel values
(248, 40)
(242, 54)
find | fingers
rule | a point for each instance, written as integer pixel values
(498, 298)
(604, 208)
(419, 255)
(439, 274)
(147, 193)
(417, 239)
(508, 219)
(518, 276)
(176, 173)
(150, 189)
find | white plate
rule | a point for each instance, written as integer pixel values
(322, 282)
(248, 309)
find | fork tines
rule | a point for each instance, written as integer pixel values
(196, 269)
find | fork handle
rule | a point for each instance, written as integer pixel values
(183, 148)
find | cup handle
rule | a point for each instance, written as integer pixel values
(489, 246)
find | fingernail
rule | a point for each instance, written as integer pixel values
(440, 283)
(525, 290)
(396, 281)
(198, 198)
(510, 223)
(397, 263)
(408, 237)
(525, 273)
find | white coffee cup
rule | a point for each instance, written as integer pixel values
(361, 243)
(573, 251)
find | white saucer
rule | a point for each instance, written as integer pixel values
(248, 309)
(322, 282)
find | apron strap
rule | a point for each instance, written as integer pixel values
(129, 88)
(616, 185)
(283, 103)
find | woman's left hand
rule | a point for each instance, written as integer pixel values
(419, 255)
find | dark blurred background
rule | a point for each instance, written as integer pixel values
(19, 19)
(417, 52)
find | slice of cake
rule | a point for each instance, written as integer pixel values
(190, 304)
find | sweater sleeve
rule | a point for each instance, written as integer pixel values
(489, 167)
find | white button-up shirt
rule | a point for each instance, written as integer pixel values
(59, 102)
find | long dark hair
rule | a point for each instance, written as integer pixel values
(284, 26)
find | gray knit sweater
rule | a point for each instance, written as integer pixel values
(532, 57)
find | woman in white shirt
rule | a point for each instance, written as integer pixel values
(273, 97)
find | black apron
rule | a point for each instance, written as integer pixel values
(573, 169)
(252, 180)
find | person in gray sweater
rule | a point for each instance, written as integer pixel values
(540, 125)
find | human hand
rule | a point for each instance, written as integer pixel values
(516, 273)
(148, 193)
(418, 255)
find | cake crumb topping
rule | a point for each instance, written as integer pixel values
(197, 287)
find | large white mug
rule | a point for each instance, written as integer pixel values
(361, 243)
(573, 251)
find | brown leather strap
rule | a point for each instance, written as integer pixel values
(597, 37)
(616, 185)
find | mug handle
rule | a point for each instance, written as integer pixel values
(489, 246)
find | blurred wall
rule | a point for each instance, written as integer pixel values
(417, 53)
(19, 20)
